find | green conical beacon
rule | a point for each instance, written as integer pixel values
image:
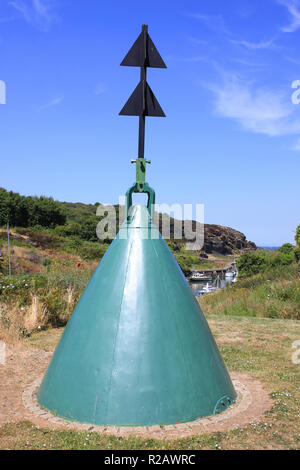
(137, 350)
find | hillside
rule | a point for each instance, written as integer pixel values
(53, 229)
(217, 238)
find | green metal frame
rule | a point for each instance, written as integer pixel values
(145, 189)
(140, 186)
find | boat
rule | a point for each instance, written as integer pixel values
(198, 277)
(207, 289)
(229, 274)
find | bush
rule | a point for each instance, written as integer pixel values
(287, 249)
(69, 230)
(282, 259)
(251, 263)
(92, 250)
(87, 229)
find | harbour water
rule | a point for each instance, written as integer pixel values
(218, 282)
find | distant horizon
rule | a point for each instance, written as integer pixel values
(269, 247)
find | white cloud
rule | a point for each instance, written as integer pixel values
(248, 63)
(22, 8)
(259, 110)
(292, 60)
(37, 12)
(293, 7)
(54, 102)
(254, 45)
(214, 22)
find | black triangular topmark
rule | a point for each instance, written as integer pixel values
(139, 57)
(142, 102)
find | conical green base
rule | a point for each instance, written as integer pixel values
(137, 349)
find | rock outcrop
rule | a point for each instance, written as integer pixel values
(217, 239)
(225, 240)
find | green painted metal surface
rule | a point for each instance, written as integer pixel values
(140, 172)
(137, 349)
(144, 189)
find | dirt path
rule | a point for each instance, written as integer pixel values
(21, 368)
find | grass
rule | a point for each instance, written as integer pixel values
(37, 301)
(260, 347)
(33, 438)
(272, 294)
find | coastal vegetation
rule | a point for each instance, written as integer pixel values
(263, 260)
(268, 286)
(273, 293)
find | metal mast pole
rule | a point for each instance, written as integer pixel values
(142, 103)
(143, 77)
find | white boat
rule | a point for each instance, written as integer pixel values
(207, 289)
(229, 274)
(198, 277)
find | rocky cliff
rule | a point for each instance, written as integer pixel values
(225, 240)
(217, 239)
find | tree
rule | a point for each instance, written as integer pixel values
(286, 248)
(297, 237)
(26, 211)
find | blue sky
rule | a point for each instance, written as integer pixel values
(231, 139)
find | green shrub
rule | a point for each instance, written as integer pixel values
(286, 249)
(251, 263)
(282, 259)
(92, 250)
(87, 229)
(69, 230)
